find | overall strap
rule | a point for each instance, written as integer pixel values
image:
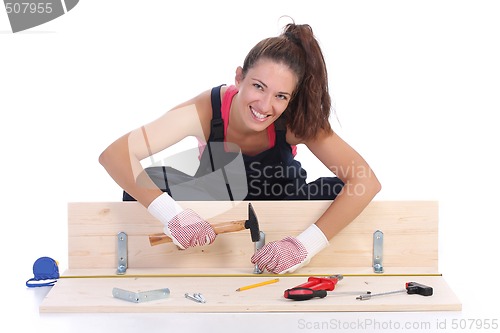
(280, 129)
(217, 132)
(287, 151)
(217, 124)
(280, 124)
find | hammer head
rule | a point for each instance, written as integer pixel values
(253, 224)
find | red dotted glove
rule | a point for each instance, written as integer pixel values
(184, 227)
(188, 229)
(290, 253)
(280, 256)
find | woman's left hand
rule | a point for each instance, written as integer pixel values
(290, 253)
(280, 257)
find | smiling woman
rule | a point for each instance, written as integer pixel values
(279, 99)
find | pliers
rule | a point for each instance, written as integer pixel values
(314, 287)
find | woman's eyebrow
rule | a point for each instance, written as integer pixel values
(265, 86)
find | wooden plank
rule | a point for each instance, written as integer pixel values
(410, 254)
(92, 295)
(410, 235)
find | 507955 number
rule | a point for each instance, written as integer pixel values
(28, 8)
(474, 324)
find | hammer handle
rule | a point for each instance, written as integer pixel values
(219, 228)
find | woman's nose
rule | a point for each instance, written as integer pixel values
(266, 103)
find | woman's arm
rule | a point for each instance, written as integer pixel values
(122, 158)
(360, 186)
(360, 183)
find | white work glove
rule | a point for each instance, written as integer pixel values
(291, 253)
(184, 227)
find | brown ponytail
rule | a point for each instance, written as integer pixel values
(309, 109)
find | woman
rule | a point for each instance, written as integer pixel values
(280, 99)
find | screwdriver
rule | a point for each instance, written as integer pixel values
(410, 288)
(303, 294)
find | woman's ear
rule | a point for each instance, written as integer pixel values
(239, 76)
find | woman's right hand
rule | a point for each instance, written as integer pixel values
(188, 229)
(184, 226)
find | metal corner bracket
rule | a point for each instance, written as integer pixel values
(139, 297)
(378, 249)
(122, 253)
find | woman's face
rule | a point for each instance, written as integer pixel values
(264, 92)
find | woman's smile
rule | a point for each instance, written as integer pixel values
(257, 115)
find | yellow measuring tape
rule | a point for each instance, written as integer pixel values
(104, 276)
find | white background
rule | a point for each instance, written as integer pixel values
(416, 87)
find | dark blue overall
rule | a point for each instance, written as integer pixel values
(273, 174)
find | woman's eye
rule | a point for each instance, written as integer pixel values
(258, 86)
(282, 97)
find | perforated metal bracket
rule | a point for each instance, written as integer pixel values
(122, 253)
(378, 249)
(143, 296)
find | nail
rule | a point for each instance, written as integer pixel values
(193, 298)
(200, 297)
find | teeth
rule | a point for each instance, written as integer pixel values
(258, 115)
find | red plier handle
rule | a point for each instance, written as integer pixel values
(303, 294)
(317, 283)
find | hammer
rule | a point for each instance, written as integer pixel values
(252, 223)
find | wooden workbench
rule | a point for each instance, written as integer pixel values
(410, 253)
